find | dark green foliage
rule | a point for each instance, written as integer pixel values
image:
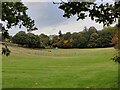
(33, 41)
(54, 41)
(92, 30)
(75, 8)
(66, 36)
(14, 13)
(78, 40)
(103, 13)
(116, 59)
(105, 38)
(20, 38)
(5, 50)
(118, 25)
(81, 42)
(44, 40)
(5, 34)
(89, 38)
(93, 40)
(27, 40)
(60, 33)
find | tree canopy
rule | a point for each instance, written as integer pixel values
(103, 13)
(92, 38)
(14, 14)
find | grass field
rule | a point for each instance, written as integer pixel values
(61, 68)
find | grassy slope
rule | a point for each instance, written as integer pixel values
(60, 68)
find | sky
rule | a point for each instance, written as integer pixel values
(49, 19)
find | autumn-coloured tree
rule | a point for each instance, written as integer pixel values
(103, 13)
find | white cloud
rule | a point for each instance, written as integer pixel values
(48, 19)
(69, 26)
(36, 0)
(42, 0)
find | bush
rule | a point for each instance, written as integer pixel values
(28, 40)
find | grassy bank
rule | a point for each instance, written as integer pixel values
(61, 68)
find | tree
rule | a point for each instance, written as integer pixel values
(54, 41)
(20, 38)
(64, 43)
(14, 14)
(44, 40)
(105, 36)
(85, 29)
(93, 40)
(27, 40)
(103, 13)
(79, 40)
(33, 41)
(60, 33)
(83, 42)
(115, 40)
(92, 30)
(5, 34)
(66, 36)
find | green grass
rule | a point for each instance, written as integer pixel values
(0, 68)
(62, 68)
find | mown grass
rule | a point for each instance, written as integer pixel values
(61, 68)
(0, 68)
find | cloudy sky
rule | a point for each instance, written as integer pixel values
(49, 20)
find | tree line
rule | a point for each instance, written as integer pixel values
(87, 38)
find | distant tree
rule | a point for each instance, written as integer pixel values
(44, 40)
(103, 13)
(64, 43)
(66, 36)
(112, 30)
(85, 29)
(60, 43)
(33, 41)
(74, 38)
(74, 35)
(93, 40)
(54, 41)
(20, 38)
(105, 39)
(28, 40)
(92, 30)
(60, 33)
(78, 40)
